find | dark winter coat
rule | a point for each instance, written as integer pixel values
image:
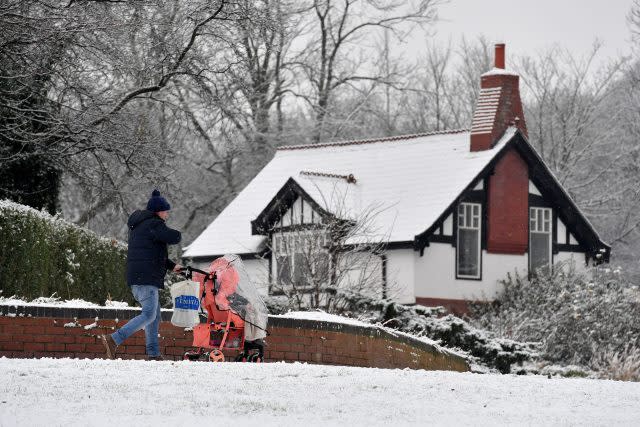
(147, 257)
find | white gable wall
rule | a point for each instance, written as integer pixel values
(562, 232)
(300, 212)
(448, 226)
(533, 189)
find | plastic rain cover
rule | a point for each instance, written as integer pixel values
(237, 292)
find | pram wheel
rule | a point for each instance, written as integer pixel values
(216, 356)
(191, 356)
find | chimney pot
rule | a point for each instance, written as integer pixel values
(499, 61)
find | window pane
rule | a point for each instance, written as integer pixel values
(299, 269)
(468, 253)
(476, 210)
(540, 255)
(476, 223)
(540, 220)
(467, 219)
(532, 215)
(321, 265)
(283, 269)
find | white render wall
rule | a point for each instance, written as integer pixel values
(570, 260)
(433, 275)
(258, 271)
(436, 274)
(401, 275)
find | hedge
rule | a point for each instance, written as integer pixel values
(42, 255)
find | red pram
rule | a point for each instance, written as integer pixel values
(236, 314)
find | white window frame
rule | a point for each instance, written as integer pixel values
(537, 227)
(463, 225)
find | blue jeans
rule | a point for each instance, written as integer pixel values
(149, 319)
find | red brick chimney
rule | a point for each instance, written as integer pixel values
(499, 105)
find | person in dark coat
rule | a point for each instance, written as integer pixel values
(147, 265)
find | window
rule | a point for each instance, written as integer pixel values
(539, 238)
(299, 256)
(468, 253)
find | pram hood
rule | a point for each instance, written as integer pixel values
(235, 291)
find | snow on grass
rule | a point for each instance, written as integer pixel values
(102, 392)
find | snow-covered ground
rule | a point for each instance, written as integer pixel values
(68, 392)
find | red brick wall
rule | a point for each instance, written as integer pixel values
(508, 206)
(292, 340)
(458, 307)
(509, 108)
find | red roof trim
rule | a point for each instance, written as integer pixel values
(370, 141)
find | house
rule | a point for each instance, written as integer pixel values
(457, 210)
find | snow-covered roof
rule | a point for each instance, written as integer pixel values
(410, 179)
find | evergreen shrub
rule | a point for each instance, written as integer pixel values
(42, 255)
(586, 319)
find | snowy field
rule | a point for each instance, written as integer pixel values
(67, 392)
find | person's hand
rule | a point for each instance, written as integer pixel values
(177, 268)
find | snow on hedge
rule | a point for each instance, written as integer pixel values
(111, 393)
(54, 301)
(43, 254)
(55, 220)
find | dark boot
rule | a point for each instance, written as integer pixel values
(109, 345)
(156, 358)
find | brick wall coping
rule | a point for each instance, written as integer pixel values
(104, 313)
(373, 331)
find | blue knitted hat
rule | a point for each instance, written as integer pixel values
(157, 203)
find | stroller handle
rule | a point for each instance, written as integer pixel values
(190, 270)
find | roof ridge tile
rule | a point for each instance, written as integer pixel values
(369, 141)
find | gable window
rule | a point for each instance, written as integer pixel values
(468, 247)
(539, 238)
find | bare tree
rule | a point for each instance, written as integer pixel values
(334, 56)
(316, 263)
(91, 66)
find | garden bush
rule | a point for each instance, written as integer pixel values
(590, 319)
(42, 255)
